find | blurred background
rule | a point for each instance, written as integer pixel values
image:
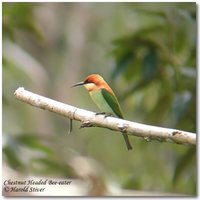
(145, 51)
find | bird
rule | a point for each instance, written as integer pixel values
(104, 97)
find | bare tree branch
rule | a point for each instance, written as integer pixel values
(89, 119)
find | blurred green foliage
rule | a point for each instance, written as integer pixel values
(163, 53)
(153, 48)
(18, 17)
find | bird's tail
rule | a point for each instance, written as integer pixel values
(128, 144)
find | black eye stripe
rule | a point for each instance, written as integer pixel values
(88, 81)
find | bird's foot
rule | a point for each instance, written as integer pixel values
(123, 129)
(105, 114)
(100, 113)
(85, 124)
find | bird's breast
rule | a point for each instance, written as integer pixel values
(100, 101)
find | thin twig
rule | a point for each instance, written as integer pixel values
(86, 117)
(70, 126)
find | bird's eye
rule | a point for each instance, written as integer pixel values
(88, 81)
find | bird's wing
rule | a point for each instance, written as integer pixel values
(112, 102)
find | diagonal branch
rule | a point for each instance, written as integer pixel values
(89, 119)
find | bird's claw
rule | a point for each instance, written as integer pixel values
(123, 128)
(85, 124)
(100, 113)
(105, 114)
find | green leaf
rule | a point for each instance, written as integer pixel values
(150, 64)
(180, 105)
(33, 141)
(12, 158)
(19, 16)
(183, 163)
(122, 64)
(51, 166)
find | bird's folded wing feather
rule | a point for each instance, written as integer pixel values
(113, 102)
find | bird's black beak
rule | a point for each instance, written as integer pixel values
(78, 84)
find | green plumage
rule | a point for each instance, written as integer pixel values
(107, 102)
(104, 98)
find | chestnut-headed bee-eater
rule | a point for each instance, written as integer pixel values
(104, 98)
